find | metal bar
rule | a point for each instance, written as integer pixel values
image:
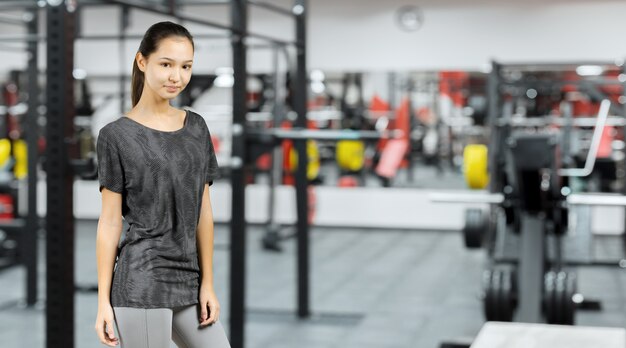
(9, 48)
(463, 197)
(272, 39)
(391, 90)
(239, 20)
(559, 83)
(604, 200)
(572, 263)
(304, 134)
(530, 274)
(276, 170)
(622, 73)
(18, 5)
(277, 107)
(261, 47)
(12, 20)
(22, 38)
(179, 3)
(105, 37)
(553, 65)
(200, 2)
(29, 38)
(302, 196)
(165, 10)
(493, 115)
(411, 125)
(271, 7)
(542, 121)
(124, 23)
(32, 137)
(595, 144)
(568, 122)
(60, 178)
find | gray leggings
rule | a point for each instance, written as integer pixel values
(156, 328)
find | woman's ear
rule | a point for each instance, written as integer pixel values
(141, 61)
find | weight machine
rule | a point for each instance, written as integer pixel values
(530, 195)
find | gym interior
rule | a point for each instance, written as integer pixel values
(403, 173)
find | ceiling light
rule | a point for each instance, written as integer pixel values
(589, 70)
(317, 75)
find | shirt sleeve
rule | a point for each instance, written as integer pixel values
(110, 170)
(212, 169)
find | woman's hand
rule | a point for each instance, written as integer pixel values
(104, 325)
(209, 307)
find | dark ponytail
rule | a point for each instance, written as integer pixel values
(136, 84)
(148, 45)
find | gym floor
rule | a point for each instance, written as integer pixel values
(370, 289)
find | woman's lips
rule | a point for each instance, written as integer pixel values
(171, 89)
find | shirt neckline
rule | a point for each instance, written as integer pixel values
(185, 122)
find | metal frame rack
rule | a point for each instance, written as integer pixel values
(29, 226)
(61, 34)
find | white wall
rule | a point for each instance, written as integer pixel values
(464, 34)
(362, 35)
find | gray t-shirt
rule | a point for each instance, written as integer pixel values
(161, 177)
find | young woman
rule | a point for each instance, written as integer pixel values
(155, 167)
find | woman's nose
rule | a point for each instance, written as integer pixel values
(174, 76)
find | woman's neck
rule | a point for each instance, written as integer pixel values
(149, 106)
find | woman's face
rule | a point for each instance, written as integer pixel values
(168, 69)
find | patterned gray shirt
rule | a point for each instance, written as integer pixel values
(161, 177)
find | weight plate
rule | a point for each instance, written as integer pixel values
(489, 302)
(475, 225)
(549, 297)
(475, 159)
(559, 291)
(569, 307)
(313, 155)
(500, 294)
(350, 155)
(561, 298)
(506, 296)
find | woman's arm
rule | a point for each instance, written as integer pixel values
(107, 240)
(205, 254)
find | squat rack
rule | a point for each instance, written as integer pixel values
(61, 146)
(29, 226)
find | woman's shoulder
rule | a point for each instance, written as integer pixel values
(112, 130)
(196, 119)
(193, 113)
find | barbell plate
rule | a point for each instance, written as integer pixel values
(475, 160)
(20, 152)
(474, 229)
(313, 168)
(350, 155)
(489, 304)
(506, 296)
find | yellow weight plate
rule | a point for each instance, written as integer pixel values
(5, 151)
(313, 154)
(20, 152)
(350, 155)
(475, 159)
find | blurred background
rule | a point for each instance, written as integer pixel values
(393, 173)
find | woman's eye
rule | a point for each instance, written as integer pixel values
(165, 65)
(187, 67)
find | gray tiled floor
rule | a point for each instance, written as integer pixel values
(370, 289)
